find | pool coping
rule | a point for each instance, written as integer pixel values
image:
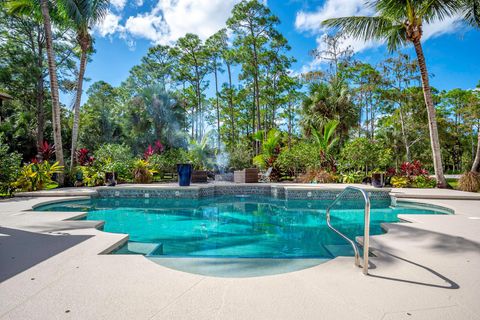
(134, 287)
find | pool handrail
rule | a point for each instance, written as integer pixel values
(366, 235)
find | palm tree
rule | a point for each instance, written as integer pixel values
(83, 14)
(325, 141)
(401, 22)
(52, 71)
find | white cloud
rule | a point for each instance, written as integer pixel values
(118, 4)
(310, 22)
(110, 25)
(169, 20)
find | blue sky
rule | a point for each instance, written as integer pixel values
(132, 27)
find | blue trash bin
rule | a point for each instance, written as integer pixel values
(184, 171)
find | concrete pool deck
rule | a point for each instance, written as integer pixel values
(52, 268)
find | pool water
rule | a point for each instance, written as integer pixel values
(234, 226)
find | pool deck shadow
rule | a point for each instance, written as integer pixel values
(21, 250)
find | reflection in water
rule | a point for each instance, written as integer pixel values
(232, 226)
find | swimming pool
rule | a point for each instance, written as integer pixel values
(234, 226)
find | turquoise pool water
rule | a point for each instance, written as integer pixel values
(234, 226)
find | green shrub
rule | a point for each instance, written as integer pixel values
(469, 181)
(37, 176)
(240, 157)
(298, 159)
(9, 168)
(423, 182)
(168, 160)
(116, 158)
(92, 176)
(363, 154)
(351, 177)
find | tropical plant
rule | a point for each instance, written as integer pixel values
(46, 151)
(270, 148)
(156, 149)
(37, 176)
(400, 182)
(325, 141)
(83, 157)
(397, 23)
(92, 176)
(142, 171)
(351, 177)
(200, 154)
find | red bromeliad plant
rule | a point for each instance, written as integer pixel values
(413, 169)
(46, 150)
(83, 158)
(156, 149)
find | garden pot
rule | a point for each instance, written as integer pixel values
(184, 171)
(110, 179)
(199, 176)
(377, 180)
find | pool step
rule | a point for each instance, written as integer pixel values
(141, 248)
(157, 251)
(337, 250)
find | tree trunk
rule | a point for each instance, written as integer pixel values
(432, 119)
(76, 108)
(476, 162)
(218, 107)
(404, 134)
(52, 70)
(40, 96)
(230, 101)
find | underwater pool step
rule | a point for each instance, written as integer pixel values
(337, 250)
(157, 251)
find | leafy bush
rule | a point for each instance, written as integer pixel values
(469, 181)
(363, 154)
(9, 168)
(351, 177)
(168, 160)
(297, 159)
(400, 182)
(423, 182)
(411, 174)
(142, 171)
(92, 176)
(114, 158)
(37, 176)
(240, 157)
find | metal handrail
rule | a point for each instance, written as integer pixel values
(366, 234)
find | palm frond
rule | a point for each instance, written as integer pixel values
(471, 12)
(364, 28)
